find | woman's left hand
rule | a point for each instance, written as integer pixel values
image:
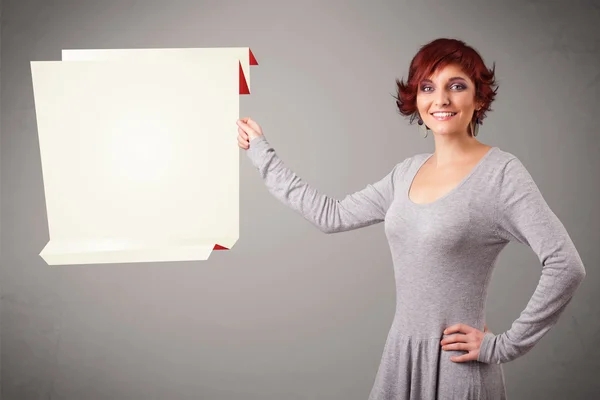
(469, 339)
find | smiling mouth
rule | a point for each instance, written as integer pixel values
(443, 116)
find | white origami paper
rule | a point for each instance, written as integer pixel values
(199, 55)
(139, 154)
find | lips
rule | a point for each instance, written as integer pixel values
(443, 116)
(444, 112)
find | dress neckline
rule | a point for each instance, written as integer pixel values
(454, 189)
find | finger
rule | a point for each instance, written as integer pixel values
(249, 122)
(243, 143)
(246, 128)
(459, 346)
(252, 123)
(241, 140)
(458, 328)
(464, 357)
(243, 134)
(455, 339)
(485, 328)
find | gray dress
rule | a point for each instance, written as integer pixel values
(443, 256)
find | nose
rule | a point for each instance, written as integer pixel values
(441, 98)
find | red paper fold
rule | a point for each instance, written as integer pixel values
(252, 59)
(243, 83)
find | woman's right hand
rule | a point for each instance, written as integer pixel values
(248, 129)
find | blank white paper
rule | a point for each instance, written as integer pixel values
(139, 159)
(198, 55)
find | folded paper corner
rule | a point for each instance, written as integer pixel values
(252, 58)
(244, 89)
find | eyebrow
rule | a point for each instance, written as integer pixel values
(454, 78)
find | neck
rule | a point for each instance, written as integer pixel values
(453, 148)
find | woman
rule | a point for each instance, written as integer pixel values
(448, 215)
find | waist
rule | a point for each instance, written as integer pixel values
(422, 322)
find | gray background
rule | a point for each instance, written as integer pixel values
(289, 312)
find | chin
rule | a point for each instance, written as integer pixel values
(442, 129)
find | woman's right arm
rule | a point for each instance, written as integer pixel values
(360, 209)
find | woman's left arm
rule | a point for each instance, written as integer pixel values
(523, 215)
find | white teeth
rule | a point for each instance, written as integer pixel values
(444, 114)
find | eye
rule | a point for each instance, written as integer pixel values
(458, 86)
(424, 88)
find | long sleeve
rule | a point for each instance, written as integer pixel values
(523, 215)
(360, 209)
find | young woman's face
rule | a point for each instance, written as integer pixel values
(448, 90)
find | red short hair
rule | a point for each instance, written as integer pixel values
(436, 55)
